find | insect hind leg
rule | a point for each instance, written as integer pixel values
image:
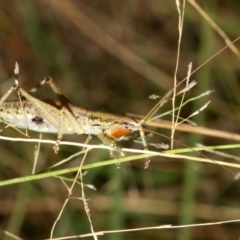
(49, 81)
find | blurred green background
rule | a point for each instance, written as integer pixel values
(110, 56)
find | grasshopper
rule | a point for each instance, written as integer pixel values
(62, 117)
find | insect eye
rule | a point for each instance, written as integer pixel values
(125, 125)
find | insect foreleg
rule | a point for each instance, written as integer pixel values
(111, 144)
(144, 142)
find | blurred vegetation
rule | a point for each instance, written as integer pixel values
(110, 56)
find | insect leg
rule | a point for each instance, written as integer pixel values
(13, 88)
(113, 145)
(5, 96)
(16, 72)
(59, 137)
(147, 161)
(49, 81)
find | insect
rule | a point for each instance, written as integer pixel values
(62, 117)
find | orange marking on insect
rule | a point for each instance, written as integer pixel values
(117, 131)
